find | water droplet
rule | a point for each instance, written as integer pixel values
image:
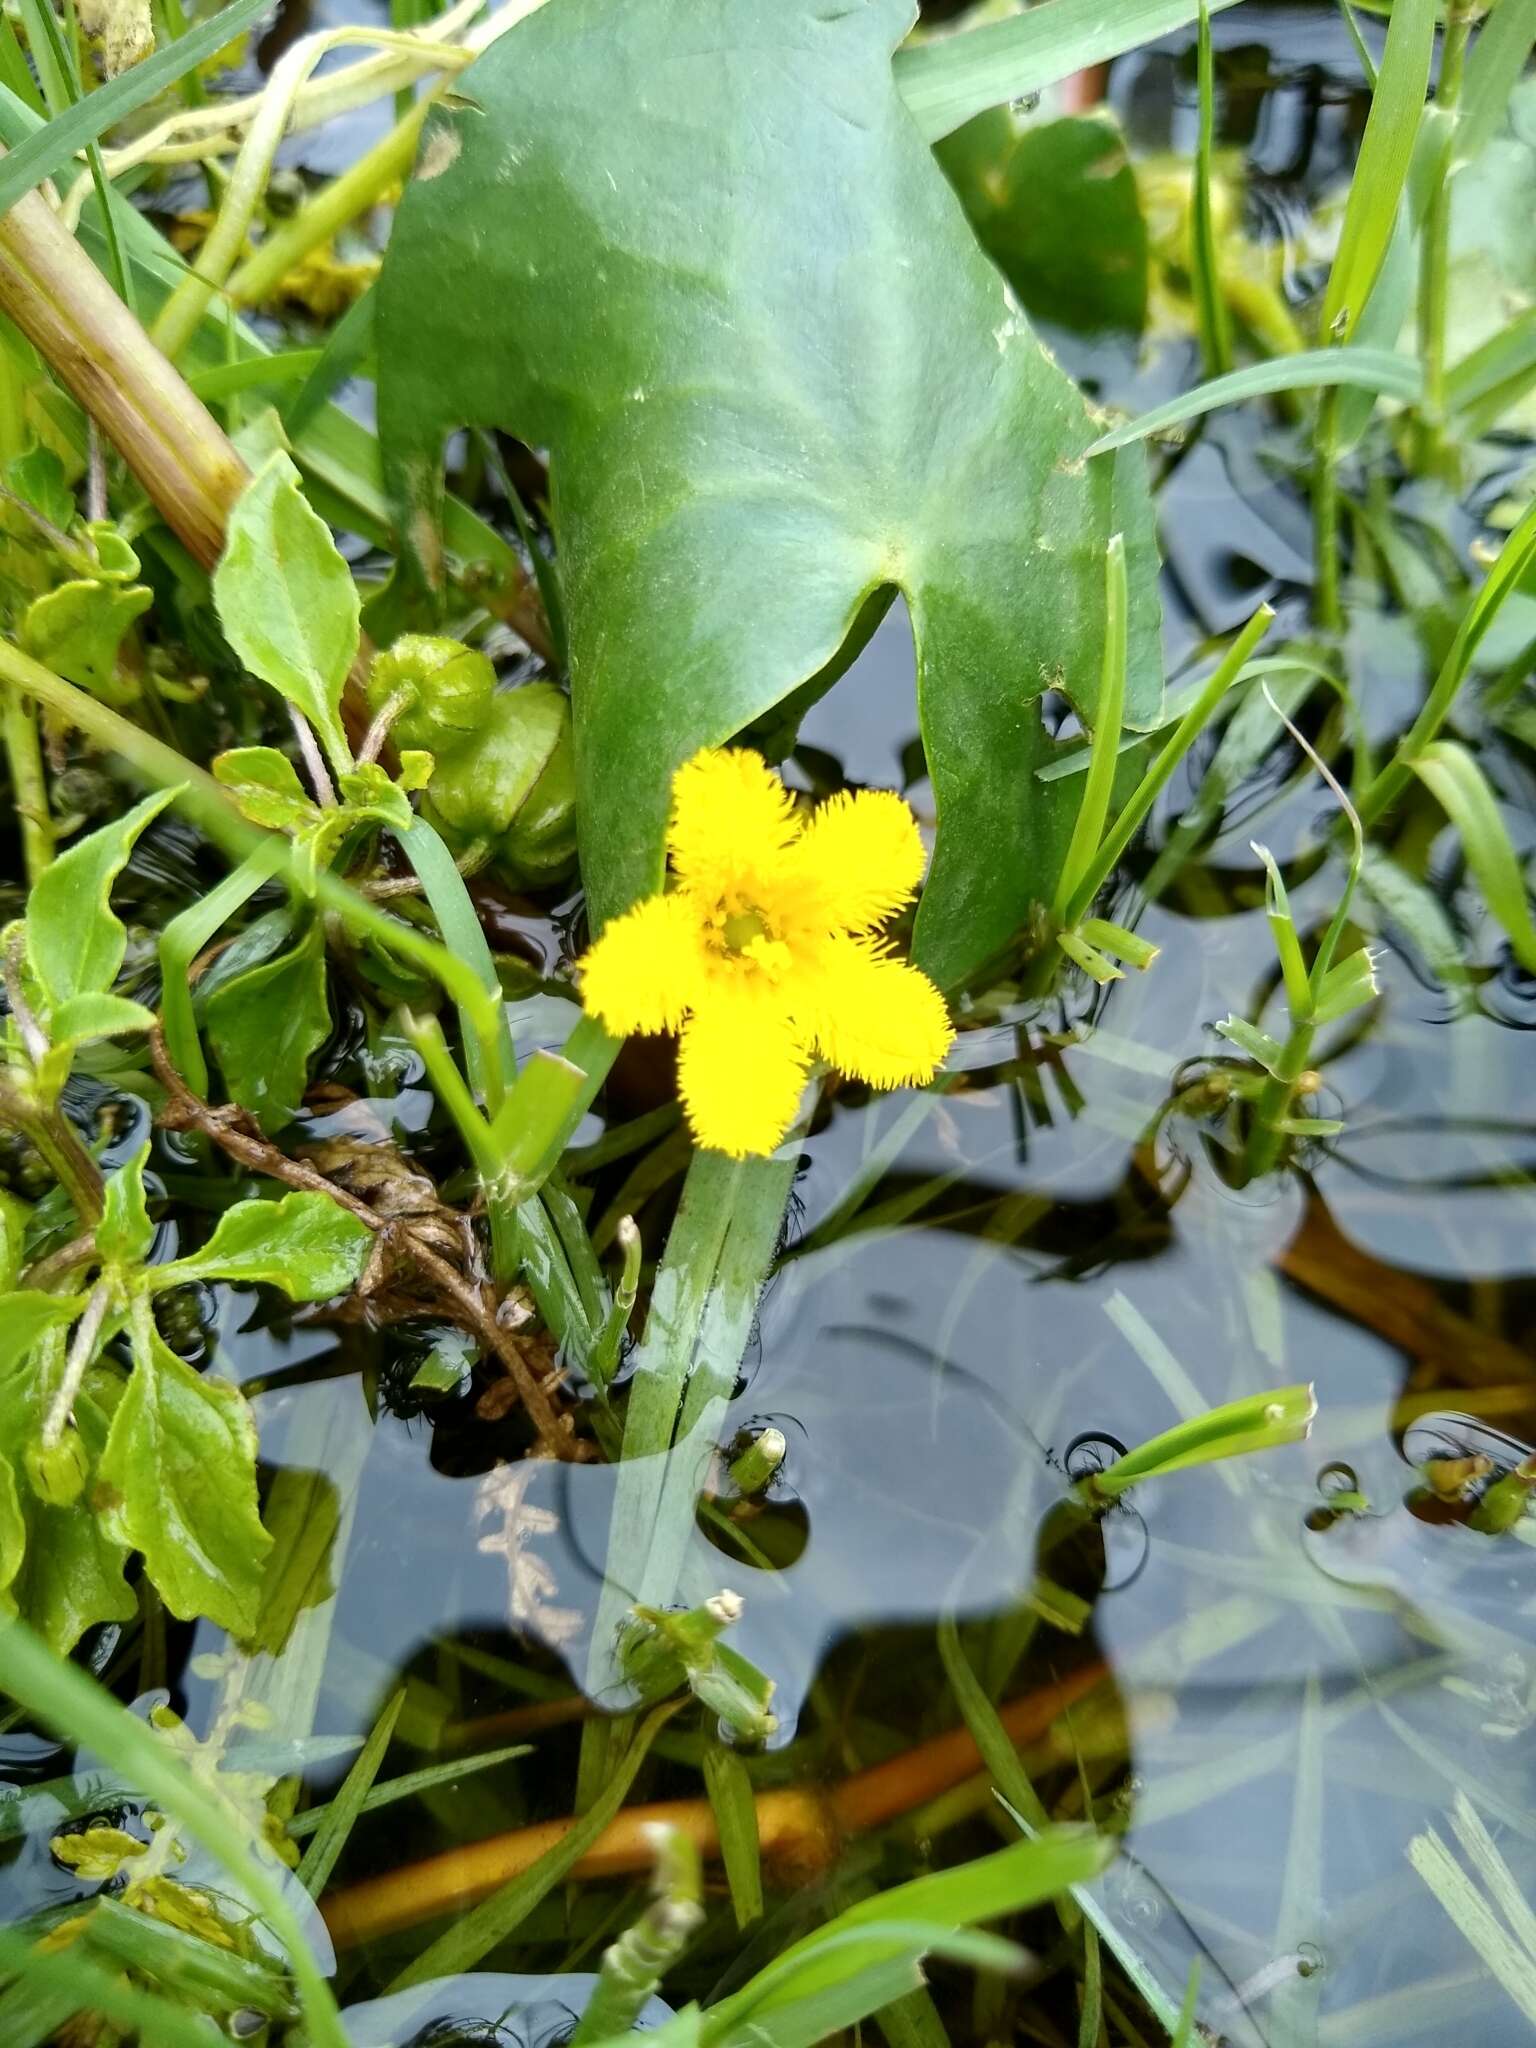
(1310, 1960)
(1337, 1478)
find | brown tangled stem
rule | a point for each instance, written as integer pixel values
(801, 1828)
(455, 1296)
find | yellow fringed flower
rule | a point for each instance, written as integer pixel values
(764, 953)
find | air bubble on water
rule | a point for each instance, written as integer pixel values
(1310, 1960)
(1335, 1479)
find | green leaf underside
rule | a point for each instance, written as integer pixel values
(802, 382)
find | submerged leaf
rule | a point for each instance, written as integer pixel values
(751, 433)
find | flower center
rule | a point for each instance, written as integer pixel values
(741, 928)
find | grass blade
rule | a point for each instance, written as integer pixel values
(1470, 1911)
(46, 152)
(1210, 306)
(945, 82)
(1493, 71)
(409, 1783)
(1088, 826)
(729, 1785)
(1381, 170)
(1378, 370)
(1461, 789)
(342, 1814)
(474, 1934)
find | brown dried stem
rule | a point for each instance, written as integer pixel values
(455, 1297)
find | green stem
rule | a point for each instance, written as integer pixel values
(331, 209)
(1434, 256)
(29, 788)
(1175, 747)
(632, 1968)
(1325, 514)
(1266, 1140)
(181, 942)
(54, 1136)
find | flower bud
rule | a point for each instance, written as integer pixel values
(58, 1471)
(448, 689)
(514, 788)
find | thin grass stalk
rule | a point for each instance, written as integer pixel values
(1210, 306)
(1327, 609)
(1431, 450)
(1108, 718)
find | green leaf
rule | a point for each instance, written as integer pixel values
(722, 434)
(59, 1566)
(51, 148)
(181, 1458)
(1459, 786)
(1493, 70)
(286, 599)
(1381, 169)
(946, 82)
(96, 1016)
(75, 943)
(306, 1244)
(125, 1233)
(77, 630)
(369, 790)
(1367, 369)
(1348, 986)
(266, 1024)
(1080, 262)
(266, 787)
(1265, 1051)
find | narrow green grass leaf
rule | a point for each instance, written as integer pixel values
(410, 1783)
(1184, 2033)
(487, 1040)
(1379, 370)
(1494, 67)
(253, 373)
(1293, 2011)
(1470, 1911)
(1381, 169)
(1502, 1884)
(1367, 61)
(912, 2022)
(1461, 789)
(1489, 380)
(731, 1800)
(946, 81)
(330, 1838)
(1210, 306)
(474, 1934)
(47, 152)
(1093, 809)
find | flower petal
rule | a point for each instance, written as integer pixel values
(732, 819)
(872, 1016)
(647, 969)
(741, 1068)
(859, 859)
